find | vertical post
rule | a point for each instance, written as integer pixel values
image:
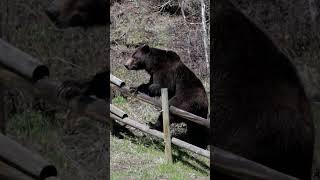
(166, 124)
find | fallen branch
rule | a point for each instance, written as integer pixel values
(24, 160)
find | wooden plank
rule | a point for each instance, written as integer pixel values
(21, 62)
(144, 128)
(166, 125)
(17, 156)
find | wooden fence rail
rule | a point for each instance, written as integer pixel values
(21, 62)
(224, 161)
(29, 74)
(24, 160)
(155, 102)
(144, 128)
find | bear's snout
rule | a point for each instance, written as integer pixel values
(128, 64)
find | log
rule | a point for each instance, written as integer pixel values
(49, 90)
(223, 161)
(11, 80)
(175, 141)
(140, 96)
(31, 164)
(117, 111)
(190, 116)
(172, 109)
(242, 168)
(166, 125)
(116, 81)
(9, 173)
(21, 62)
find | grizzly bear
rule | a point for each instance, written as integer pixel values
(259, 107)
(185, 90)
(84, 13)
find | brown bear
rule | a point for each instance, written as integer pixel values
(185, 90)
(85, 13)
(259, 107)
(97, 86)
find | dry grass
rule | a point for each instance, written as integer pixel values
(72, 53)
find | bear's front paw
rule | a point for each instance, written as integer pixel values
(133, 90)
(69, 89)
(155, 90)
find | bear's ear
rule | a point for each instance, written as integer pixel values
(145, 48)
(173, 55)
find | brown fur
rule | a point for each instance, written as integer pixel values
(85, 13)
(259, 107)
(185, 89)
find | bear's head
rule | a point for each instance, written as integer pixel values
(84, 13)
(139, 58)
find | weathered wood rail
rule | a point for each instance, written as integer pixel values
(224, 161)
(145, 98)
(20, 70)
(24, 160)
(21, 62)
(119, 115)
(33, 77)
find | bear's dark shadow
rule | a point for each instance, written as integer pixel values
(158, 145)
(259, 107)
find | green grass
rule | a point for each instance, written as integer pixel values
(42, 134)
(119, 100)
(33, 125)
(142, 158)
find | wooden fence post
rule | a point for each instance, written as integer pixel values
(166, 124)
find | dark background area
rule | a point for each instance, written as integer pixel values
(73, 53)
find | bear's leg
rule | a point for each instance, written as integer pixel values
(198, 135)
(158, 125)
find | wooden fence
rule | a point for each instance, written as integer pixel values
(33, 76)
(20, 70)
(143, 97)
(223, 161)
